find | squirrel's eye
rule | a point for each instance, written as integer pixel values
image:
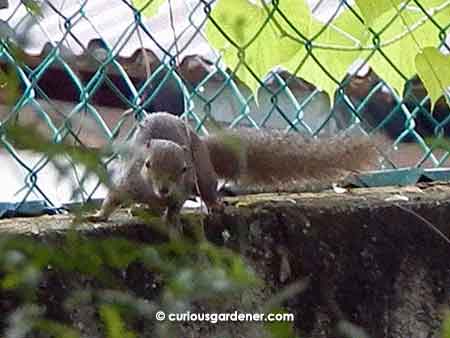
(184, 169)
(147, 164)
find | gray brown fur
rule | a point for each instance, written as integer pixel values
(163, 145)
(169, 159)
(165, 126)
(271, 158)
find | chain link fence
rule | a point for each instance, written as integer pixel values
(87, 71)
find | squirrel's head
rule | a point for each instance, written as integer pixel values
(165, 166)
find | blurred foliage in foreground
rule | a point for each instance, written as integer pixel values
(97, 274)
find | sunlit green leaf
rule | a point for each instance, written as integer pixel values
(403, 38)
(250, 40)
(261, 42)
(372, 10)
(337, 48)
(433, 69)
(148, 8)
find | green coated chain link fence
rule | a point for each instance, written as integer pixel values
(87, 71)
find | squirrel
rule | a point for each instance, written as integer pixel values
(169, 163)
(165, 164)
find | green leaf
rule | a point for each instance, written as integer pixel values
(280, 39)
(446, 325)
(33, 7)
(9, 83)
(114, 325)
(401, 39)
(250, 40)
(433, 69)
(372, 10)
(55, 329)
(334, 51)
(148, 8)
(438, 143)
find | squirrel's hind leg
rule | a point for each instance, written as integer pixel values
(205, 174)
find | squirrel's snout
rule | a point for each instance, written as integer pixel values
(164, 191)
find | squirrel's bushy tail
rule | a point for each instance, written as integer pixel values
(268, 157)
